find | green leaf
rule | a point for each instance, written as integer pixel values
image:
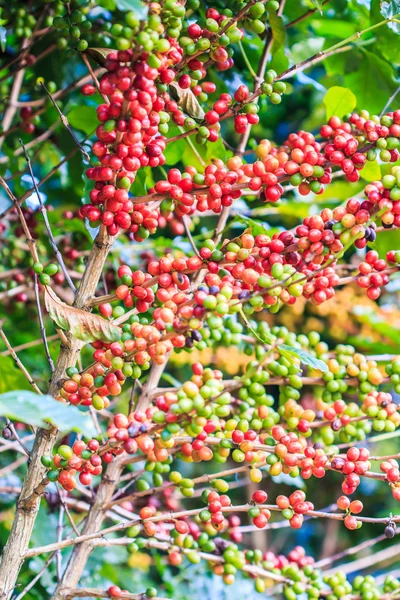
(339, 101)
(372, 81)
(387, 36)
(81, 324)
(40, 411)
(340, 190)
(371, 171)
(306, 48)
(11, 376)
(143, 181)
(174, 152)
(304, 357)
(136, 5)
(279, 61)
(257, 227)
(387, 240)
(83, 118)
(3, 38)
(108, 4)
(333, 28)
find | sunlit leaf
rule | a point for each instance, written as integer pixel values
(371, 171)
(372, 80)
(11, 377)
(304, 357)
(40, 411)
(83, 118)
(339, 101)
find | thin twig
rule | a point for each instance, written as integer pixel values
(10, 426)
(186, 223)
(66, 509)
(31, 344)
(29, 239)
(326, 562)
(372, 559)
(60, 528)
(15, 90)
(389, 102)
(93, 74)
(12, 466)
(36, 578)
(95, 420)
(41, 324)
(305, 15)
(17, 360)
(43, 210)
(66, 124)
(97, 593)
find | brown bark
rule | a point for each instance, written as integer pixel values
(97, 513)
(25, 516)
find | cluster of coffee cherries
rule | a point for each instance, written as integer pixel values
(393, 371)
(114, 591)
(125, 138)
(294, 507)
(72, 26)
(363, 587)
(27, 119)
(383, 131)
(391, 468)
(379, 406)
(81, 457)
(352, 507)
(248, 114)
(372, 275)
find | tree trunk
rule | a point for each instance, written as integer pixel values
(18, 540)
(81, 552)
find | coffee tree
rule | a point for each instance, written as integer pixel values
(187, 190)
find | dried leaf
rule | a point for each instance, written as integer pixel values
(81, 324)
(187, 101)
(99, 54)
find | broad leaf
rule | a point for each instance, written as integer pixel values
(305, 357)
(333, 28)
(83, 118)
(40, 411)
(371, 171)
(107, 4)
(279, 61)
(257, 227)
(372, 80)
(81, 324)
(339, 101)
(11, 377)
(387, 240)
